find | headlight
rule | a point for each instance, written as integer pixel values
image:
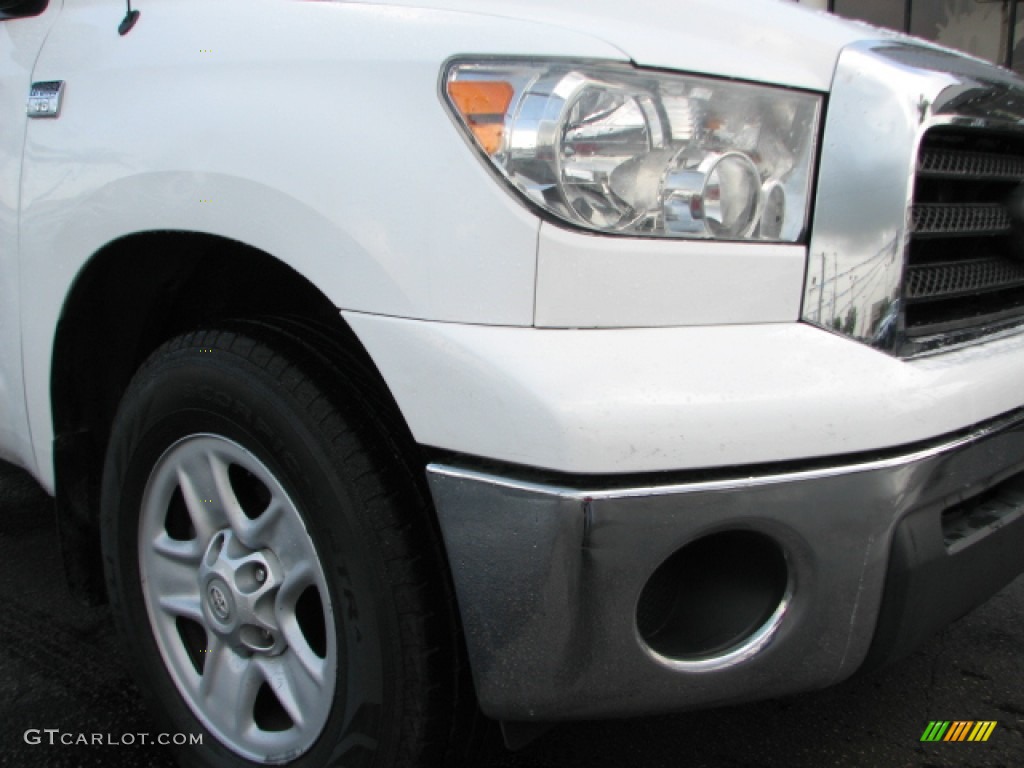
(619, 150)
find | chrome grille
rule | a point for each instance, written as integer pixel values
(965, 264)
(945, 270)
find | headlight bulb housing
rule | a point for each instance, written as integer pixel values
(618, 150)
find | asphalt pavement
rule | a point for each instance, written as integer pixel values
(60, 669)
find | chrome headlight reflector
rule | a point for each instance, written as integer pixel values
(619, 150)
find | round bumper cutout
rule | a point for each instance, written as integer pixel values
(716, 600)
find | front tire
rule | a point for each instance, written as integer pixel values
(272, 565)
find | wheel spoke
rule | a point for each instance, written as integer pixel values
(295, 583)
(178, 553)
(173, 571)
(314, 666)
(196, 487)
(186, 605)
(229, 505)
(229, 686)
(267, 528)
(297, 578)
(291, 540)
(299, 692)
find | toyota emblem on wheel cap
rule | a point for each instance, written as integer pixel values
(218, 602)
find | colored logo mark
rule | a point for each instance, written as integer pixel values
(958, 730)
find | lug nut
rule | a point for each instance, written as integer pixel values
(261, 575)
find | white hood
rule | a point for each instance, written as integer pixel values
(773, 41)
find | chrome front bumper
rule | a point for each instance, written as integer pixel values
(549, 576)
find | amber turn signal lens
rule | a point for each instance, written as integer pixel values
(482, 104)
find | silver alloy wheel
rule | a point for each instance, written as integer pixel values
(237, 599)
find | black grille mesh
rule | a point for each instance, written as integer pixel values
(960, 219)
(961, 164)
(959, 277)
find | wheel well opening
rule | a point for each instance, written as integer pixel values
(143, 289)
(132, 296)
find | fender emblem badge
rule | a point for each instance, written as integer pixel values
(44, 98)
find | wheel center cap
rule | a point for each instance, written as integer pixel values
(219, 599)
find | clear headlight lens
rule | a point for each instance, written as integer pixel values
(619, 150)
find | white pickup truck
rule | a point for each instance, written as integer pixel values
(393, 362)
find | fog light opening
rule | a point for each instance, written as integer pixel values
(715, 596)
